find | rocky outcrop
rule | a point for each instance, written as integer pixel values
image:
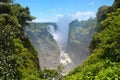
(80, 34)
(45, 44)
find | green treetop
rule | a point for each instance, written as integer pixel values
(6, 1)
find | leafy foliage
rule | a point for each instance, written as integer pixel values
(6, 1)
(18, 58)
(24, 59)
(9, 28)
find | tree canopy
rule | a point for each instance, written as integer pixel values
(18, 58)
(6, 1)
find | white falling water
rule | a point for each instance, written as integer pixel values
(61, 37)
(64, 58)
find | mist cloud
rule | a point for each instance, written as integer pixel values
(61, 34)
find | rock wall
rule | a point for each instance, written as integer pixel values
(45, 45)
(80, 34)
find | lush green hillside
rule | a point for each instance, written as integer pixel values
(18, 58)
(104, 62)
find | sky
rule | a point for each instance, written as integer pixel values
(52, 10)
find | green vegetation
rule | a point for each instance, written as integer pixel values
(49, 74)
(104, 62)
(18, 58)
(6, 1)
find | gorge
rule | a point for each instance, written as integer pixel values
(64, 50)
(64, 43)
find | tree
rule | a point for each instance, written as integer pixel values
(6, 1)
(16, 52)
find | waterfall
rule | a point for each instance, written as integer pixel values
(61, 37)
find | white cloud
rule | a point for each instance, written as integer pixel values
(83, 15)
(91, 3)
(78, 15)
(60, 15)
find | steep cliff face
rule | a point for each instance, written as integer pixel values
(80, 34)
(45, 44)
